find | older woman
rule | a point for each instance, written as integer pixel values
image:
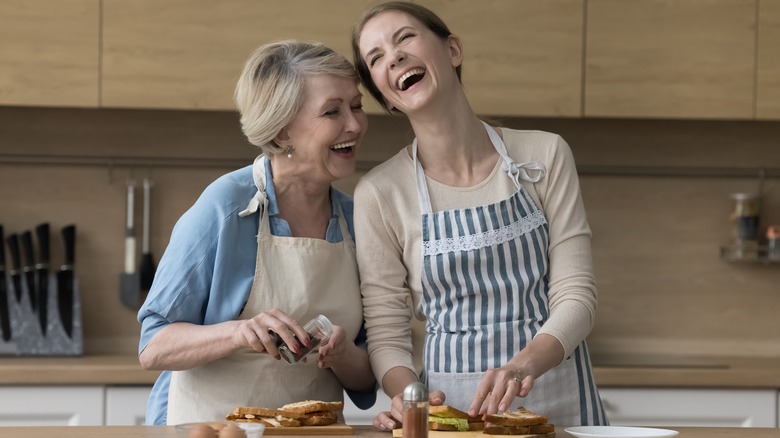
(263, 250)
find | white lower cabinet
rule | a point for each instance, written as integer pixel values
(691, 407)
(51, 406)
(126, 405)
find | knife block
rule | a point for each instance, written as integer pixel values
(27, 338)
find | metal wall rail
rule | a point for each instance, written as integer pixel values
(590, 170)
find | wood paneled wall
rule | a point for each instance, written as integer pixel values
(661, 282)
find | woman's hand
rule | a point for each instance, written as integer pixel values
(498, 389)
(500, 386)
(393, 419)
(332, 351)
(385, 421)
(255, 333)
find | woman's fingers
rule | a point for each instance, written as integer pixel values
(385, 421)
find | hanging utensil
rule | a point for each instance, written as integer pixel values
(148, 267)
(129, 281)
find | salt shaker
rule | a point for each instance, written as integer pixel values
(415, 411)
(319, 329)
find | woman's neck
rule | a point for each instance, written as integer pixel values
(306, 206)
(453, 146)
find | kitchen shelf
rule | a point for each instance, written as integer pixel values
(746, 254)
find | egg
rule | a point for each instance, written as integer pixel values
(202, 431)
(218, 426)
(232, 431)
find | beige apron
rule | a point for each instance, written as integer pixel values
(303, 277)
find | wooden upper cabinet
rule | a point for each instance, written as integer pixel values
(768, 87)
(49, 52)
(670, 58)
(188, 54)
(521, 58)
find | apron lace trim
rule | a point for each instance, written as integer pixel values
(485, 239)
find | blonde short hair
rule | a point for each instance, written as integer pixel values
(270, 90)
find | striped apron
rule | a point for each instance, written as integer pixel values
(485, 296)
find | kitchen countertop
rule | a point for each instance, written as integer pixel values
(610, 371)
(360, 431)
(84, 370)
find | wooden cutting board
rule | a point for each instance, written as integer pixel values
(332, 429)
(470, 434)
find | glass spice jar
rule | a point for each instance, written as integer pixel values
(319, 329)
(773, 242)
(745, 231)
(745, 213)
(415, 411)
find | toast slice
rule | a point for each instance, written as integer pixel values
(519, 417)
(519, 430)
(305, 413)
(265, 416)
(308, 406)
(321, 418)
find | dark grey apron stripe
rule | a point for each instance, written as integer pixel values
(600, 417)
(581, 387)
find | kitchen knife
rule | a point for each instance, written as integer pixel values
(42, 271)
(65, 280)
(5, 316)
(29, 267)
(16, 266)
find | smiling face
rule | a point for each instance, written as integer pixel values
(408, 63)
(326, 131)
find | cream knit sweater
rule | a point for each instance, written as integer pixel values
(388, 236)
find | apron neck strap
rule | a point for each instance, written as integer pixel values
(515, 171)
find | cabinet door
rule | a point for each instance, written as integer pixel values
(522, 58)
(49, 52)
(188, 54)
(690, 407)
(126, 405)
(670, 58)
(768, 87)
(51, 406)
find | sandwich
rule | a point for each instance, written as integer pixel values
(305, 413)
(517, 422)
(314, 412)
(445, 417)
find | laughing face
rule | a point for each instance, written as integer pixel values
(326, 132)
(407, 61)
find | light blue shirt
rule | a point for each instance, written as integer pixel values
(206, 273)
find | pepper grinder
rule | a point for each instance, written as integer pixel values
(415, 411)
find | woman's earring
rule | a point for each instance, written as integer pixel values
(289, 151)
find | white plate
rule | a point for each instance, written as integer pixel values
(619, 432)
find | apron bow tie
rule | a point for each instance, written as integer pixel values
(258, 200)
(520, 170)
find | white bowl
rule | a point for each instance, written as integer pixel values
(253, 430)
